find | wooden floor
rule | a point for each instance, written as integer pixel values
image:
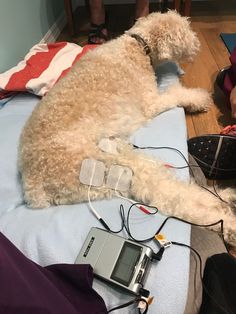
(209, 19)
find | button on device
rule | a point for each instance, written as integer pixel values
(144, 262)
(139, 276)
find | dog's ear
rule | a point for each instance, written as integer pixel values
(139, 20)
(172, 12)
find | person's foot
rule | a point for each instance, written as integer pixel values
(98, 33)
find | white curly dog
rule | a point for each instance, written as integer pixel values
(111, 92)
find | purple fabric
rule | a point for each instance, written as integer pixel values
(230, 77)
(27, 288)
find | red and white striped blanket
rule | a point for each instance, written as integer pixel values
(41, 68)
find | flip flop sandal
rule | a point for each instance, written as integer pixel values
(215, 155)
(96, 33)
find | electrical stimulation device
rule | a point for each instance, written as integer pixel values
(119, 261)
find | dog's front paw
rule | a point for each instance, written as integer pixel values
(199, 100)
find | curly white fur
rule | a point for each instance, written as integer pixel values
(112, 91)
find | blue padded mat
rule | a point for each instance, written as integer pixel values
(229, 41)
(56, 235)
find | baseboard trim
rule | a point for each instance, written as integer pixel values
(55, 30)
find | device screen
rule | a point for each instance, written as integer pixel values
(125, 265)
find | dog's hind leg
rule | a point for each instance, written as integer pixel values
(153, 183)
(35, 194)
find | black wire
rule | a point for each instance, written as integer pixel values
(215, 167)
(221, 222)
(122, 216)
(222, 200)
(185, 159)
(130, 303)
(190, 168)
(125, 221)
(184, 167)
(195, 251)
(201, 273)
(214, 187)
(126, 225)
(215, 193)
(166, 147)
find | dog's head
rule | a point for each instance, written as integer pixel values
(168, 35)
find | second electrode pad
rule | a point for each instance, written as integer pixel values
(119, 178)
(92, 172)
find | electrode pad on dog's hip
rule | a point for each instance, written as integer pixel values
(92, 172)
(108, 145)
(119, 178)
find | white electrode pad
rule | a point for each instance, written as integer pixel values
(119, 178)
(108, 145)
(92, 172)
